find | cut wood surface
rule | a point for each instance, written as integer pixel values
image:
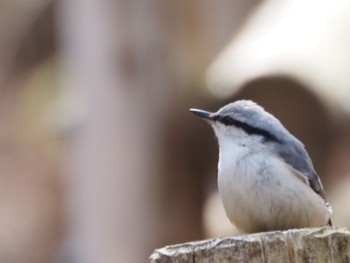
(293, 246)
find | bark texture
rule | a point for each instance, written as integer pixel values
(292, 246)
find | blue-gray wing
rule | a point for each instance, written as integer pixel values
(294, 154)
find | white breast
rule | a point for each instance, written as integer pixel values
(260, 192)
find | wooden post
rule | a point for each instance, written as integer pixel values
(293, 246)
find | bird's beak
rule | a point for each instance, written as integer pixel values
(203, 114)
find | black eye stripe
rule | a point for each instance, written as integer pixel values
(228, 121)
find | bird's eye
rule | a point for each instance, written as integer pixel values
(226, 120)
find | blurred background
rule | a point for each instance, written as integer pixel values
(100, 160)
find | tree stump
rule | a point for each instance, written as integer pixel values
(293, 246)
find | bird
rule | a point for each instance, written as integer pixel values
(266, 179)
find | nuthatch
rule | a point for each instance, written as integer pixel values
(266, 179)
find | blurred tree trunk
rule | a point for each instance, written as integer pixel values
(111, 155)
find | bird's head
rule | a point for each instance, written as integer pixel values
(245, 123)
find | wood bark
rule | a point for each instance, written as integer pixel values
(292, 246)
